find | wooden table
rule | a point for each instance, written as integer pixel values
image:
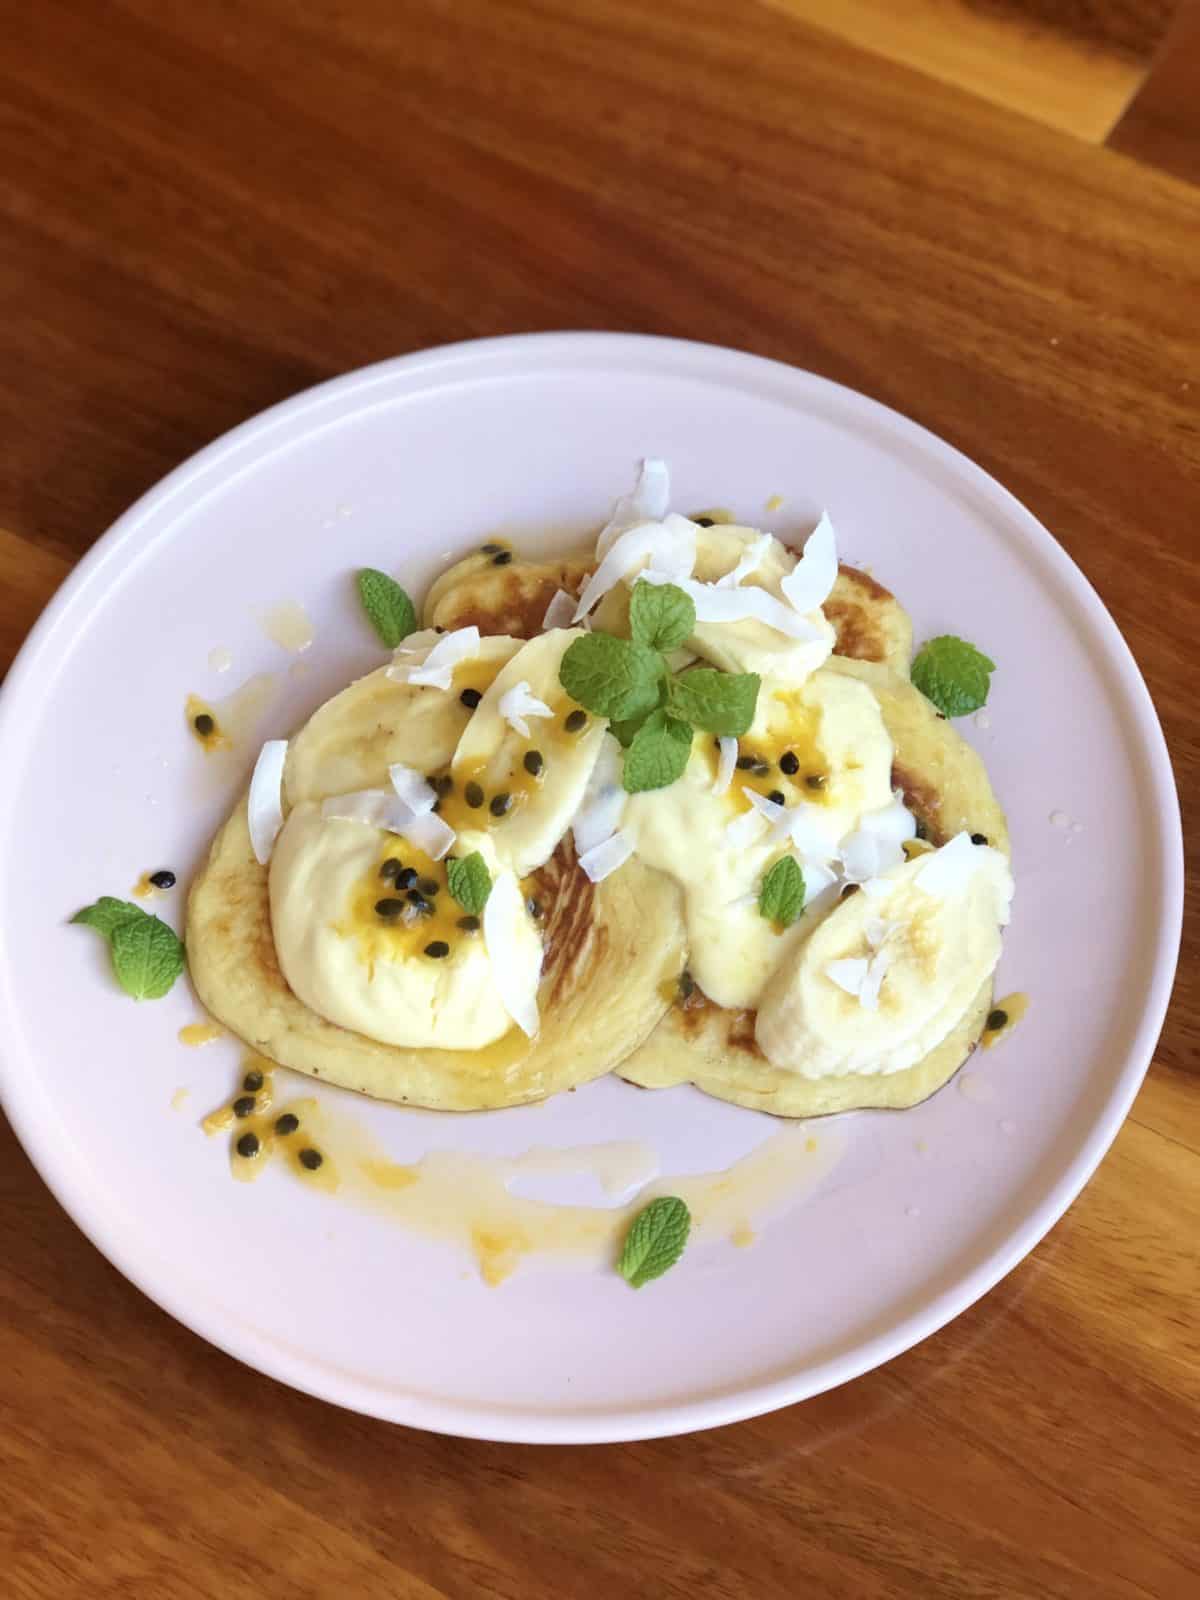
(207, 206)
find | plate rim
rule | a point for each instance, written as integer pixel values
(600, 1424)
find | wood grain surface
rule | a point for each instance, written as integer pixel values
(1162, 125)
(206, 206)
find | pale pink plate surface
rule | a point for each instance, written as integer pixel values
(395, 467)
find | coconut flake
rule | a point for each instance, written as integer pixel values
(948, 870)
(795, 823)
(817, 878)
(726, 765)
(560, 611)
(518, 703)
(861, 977)
(808, 585)
(411, 787)
(376, 808)
(603, 802)
(264, 807)
(607, 856)
(714, 604)
(429, 833)
(877, 844)
(868, 994)
(749, 561)
(436, 671)
(649, 502)
(668, 547)
(743, 830)
(504, 908)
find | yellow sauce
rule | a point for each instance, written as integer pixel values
(234, 718)
(387, 939)
(143, 889)
(467, 1201)
(794, 728)
(505, 772)
(196, 1034)
(775, 503)
(212, 738)
(1014, 1007)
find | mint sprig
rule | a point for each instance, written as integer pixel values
(953, 674)
(391, 613)
(652, 712)
(781, 894)
(470, 882)
(656, 1240)
(147, 956)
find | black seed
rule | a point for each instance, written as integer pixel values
(687, 984)
(445, 784)
(243, 1106)
(389, 908)
(815, 780)
(996, 1020)
(438, 949)
(499, 804)
(473, 795)
(777, 797)
(761, 768)
(428, 885)
(851, 888)
(703, 522)
(470, 698)
(789, 762)
(534, 908)
(311, 1159)
(406, 878)
(533, 762)
(922, 831)
(247, 1145)
(469, 924)
(252, 1082)
(574, 721)
(437, 628)
(502, 559)
(491, 549)
(204, 724)
(287, 1123)
(979, 838)
(163, 880)
(417, 899)
(744, 763)
(390, 868)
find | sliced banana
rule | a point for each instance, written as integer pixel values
(920, 953)
(525, 789)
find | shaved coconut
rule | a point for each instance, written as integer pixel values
(411, 787)
(518, 703)
(876, 845)
(948, 870)
(817, 879)
(848, 974)
(603, 802)
(518, 995)
(743, 830)
(376, 808)
(560, 611)
(749, 561)
(868, 994)
(668, 547)
(714, 604)
(437, 669)
(607, 856)
(264, 807)
(877, 929)
(796, 823)
(649, 502)
(771, 809)
(808, 585)
(726, 765)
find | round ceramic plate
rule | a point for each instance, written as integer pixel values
(399, 467)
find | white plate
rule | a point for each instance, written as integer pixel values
(397, 467)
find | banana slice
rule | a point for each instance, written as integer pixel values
(525, 788)
(352, 740)
(893, 969)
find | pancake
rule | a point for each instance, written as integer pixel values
(511, 598)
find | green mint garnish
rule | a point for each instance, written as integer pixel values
(616, 678)
(391, 612)
(718, 702)
(781, 896)
(953, 674)
(661, 615)
(470, 882)
(657, 753)
(656, 1240)
(147, 956)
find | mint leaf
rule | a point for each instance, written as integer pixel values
(470, 882)
(391, 612)
(147, 957)
(953, 674)
(718, 702)
(107, 913)
(661, 615)
(658, 753)
(615, 678)
(656, 1240)
(781, 895)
